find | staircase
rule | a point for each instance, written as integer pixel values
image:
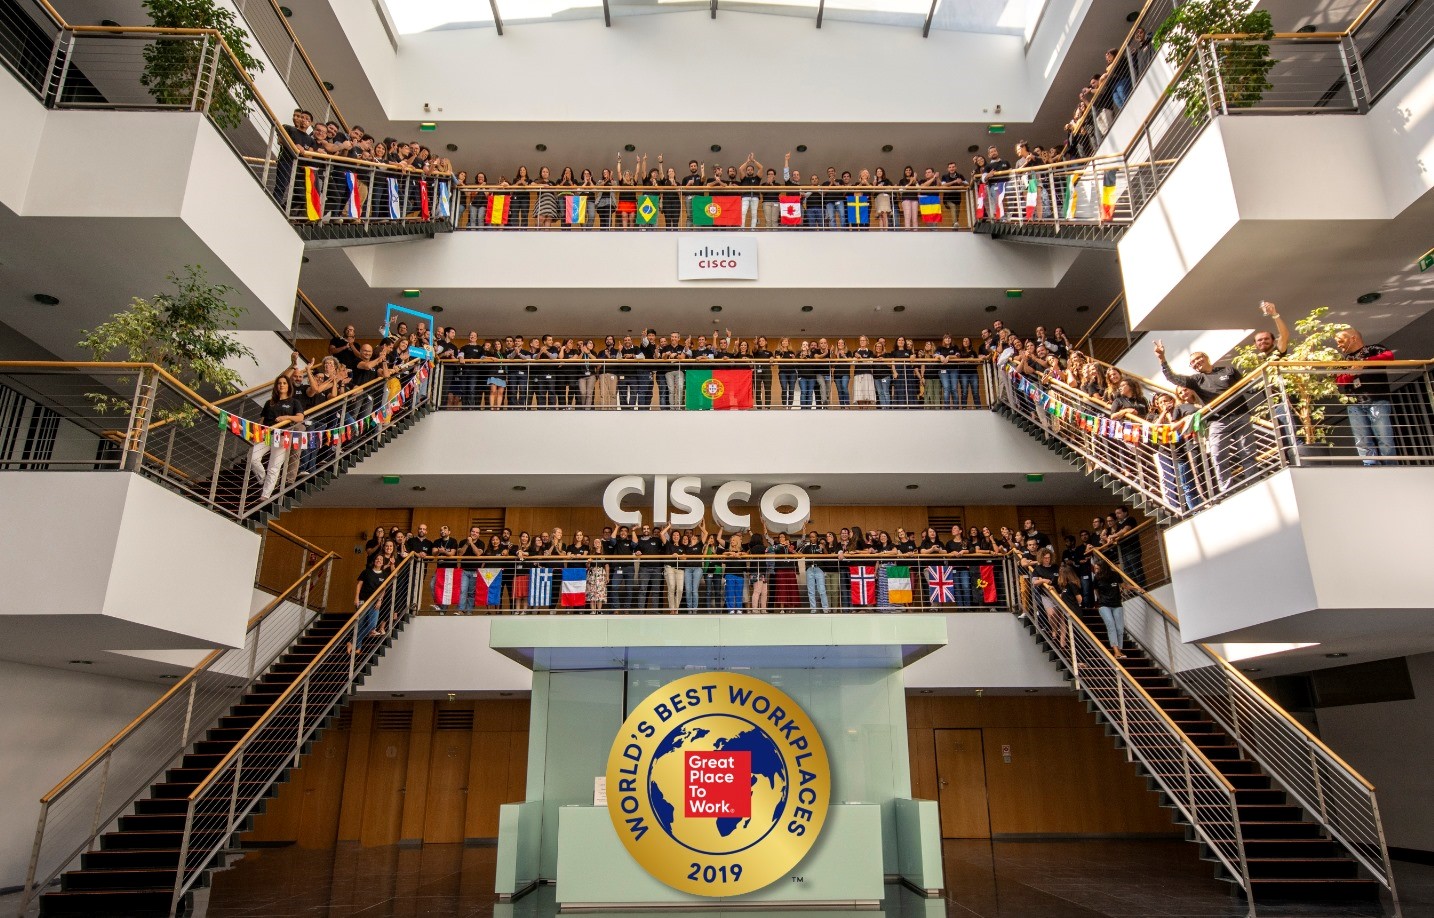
(1076, 235)
(1263, 839)
(176, 831)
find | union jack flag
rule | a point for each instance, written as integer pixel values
(863, 586)
(941, 580)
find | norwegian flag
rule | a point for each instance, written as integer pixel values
(941, 581)
(863, 585)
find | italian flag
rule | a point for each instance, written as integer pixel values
(718, 389)
(898, 585)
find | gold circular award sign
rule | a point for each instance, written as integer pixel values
(718, 784)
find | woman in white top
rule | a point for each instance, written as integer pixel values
(863, 386)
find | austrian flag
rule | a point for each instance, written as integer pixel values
(791, 206)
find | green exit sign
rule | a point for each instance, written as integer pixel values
(428, 125)
(1014, 294)
(1426, 261)
(996, 129)
(1034, 477)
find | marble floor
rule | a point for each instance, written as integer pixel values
(1046, 879)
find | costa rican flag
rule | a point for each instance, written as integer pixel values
(941, 581)
(540, 586)
(447, 586)
(575, 586)
(353, 206)
(863, 585)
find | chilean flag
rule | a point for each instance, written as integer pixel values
(791, 209)
(575, 586)
(447, 586)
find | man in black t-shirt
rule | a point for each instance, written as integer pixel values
(1127, 549)
(344, 350)
(298, 134)
(1227, 430)
(469, 380)
(671, 353)
(419, 543)
(649, 579)
(952, 182)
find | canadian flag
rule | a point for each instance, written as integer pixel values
(791, 205)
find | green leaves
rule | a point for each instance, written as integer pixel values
(1235, 71)
(174, 65)
(1310, 393)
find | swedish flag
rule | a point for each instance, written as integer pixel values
(647, 210)
(858, 210)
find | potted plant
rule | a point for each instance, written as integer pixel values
(1243, 67)
(1308, 394)
(173, 65)
(187, 332)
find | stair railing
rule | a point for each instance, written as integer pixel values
(1339, 797)
(222, 802)
(89, 800)
(137, 417)
(1186, 776)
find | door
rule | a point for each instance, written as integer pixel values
(961, 779)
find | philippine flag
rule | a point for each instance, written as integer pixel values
(575, 586)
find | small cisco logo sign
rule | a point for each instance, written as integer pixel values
(716, 256)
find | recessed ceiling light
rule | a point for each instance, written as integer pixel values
(169, 675)
(329, 86)
(814, 487)
(927, 691)
(1369, 298)
(541, 148)
(395, 694)
(624, 308)
(109, 23)
(1306, 29)
(83, 662)
(420, 488)
(45, 299)
(435, 309)
(629, 148)
(341, 309)
(898, 308)
(912, 487)
(801, 148)
(1249, 669)
(887, 148)
(505, 694)
(520, 487)
(973, 148)
(452, 148)
(1031, 691)
(286, 11)
(716, 148)
(1336, 656)
(1082, 308)
(530, 308)
(306, 259)
(1132, 16)
(1008, 487)
(806, 309)
(716, 308)
(990, 308)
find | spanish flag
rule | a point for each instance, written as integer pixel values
(312, 203)
(498, 209)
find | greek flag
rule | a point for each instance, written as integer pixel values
(540, 587)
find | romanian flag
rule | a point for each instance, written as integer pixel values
(647, 210)
(858, 209)
(930, 206)
(791, 209)
(1072, 182)
(423, 211)
(353, 199)
(716, 210)
(1033, 196)
(395, 200)
(718, 389)
(1107, 195)
(986, 583)
(575, 209)
(498, 209)
(313, 204)
(898, 584)
(981, 201)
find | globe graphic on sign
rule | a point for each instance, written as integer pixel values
(717, 733)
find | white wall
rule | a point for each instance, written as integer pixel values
(1144, 97)
(798, 261)
(985, 650)
(1179, 345)
(118, 545)
(27, 116)
(1300, 542)
(1389, 744)
(52, 720)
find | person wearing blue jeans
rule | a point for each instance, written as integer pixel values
(1366, 393)
(1108, 601)
(834, 201)
(369, 581)
(817, 600)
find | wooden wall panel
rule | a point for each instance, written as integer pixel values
(921, 749)
(353, 802)
(448, 778)
(382, 804)
(306, 809)
(415, 786)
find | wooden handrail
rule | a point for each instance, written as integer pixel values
(188, 677)
(1236, 674)
(1105, 314)
(318, 314)
(308, 63)
(724, 190)
(303, 543)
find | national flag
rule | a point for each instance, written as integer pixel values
(575, 209)
(930, 207)
(941, 581)
(395, 201)
(575, 586)
(863, 585)
(898, 584)
(423, 212)
(442, 209)
(353, 198)
(498, 205)
(719, 389)
(718, 210)
(313, 204)
(1000, 201)
(858, 209)
(540, 586)
(447, 586)
(1107, 195)
(1072, 183)
(647, 210)
(986, 583)
(790, 206)
(981, 201)
(1033, 196)
(489, 589)
(235, 424)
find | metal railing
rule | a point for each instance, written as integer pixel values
(1191, 782)
(719, 583)
(269, 25)
(143, 68)
(310, 323)
(1313, 73)
(587, 381)
(219, 806)
(1286, 414)
(139, 418)
(281, 555)
(88, 802)
(1324, 784)
(762, 207)
(1109, 337)
(1132, 60)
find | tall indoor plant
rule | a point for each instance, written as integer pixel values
(172, 65)
(1309, 393)
(1243, 67)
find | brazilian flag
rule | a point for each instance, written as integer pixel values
(647, 210)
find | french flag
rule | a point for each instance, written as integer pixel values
(575, 587)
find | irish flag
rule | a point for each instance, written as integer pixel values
(720, 210)
(719, 389)
(898, 584)
(1071, 185)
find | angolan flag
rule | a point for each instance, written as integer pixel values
(986, 583)
(791, 208)
(719, 389)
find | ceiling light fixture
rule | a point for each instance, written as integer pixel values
(420, 488)
(541, 148)
(912, 487)
(452, 148)
(990, 308)
(1249, 669)
(887, 148)
(45, 299)
(716, 308)
(814, 487)
(83, 662)
(716, 148)
(435, 309)
(1032, 691)
(974, 148)
(806, 309)
(898, 308)
(1335, 656)
(927, 691)
(530, 308)
(1368, 298)
(1008, 487)
(1132, 16)
(1082, 308)
(169, 675)
(520, 487)
(629, 148)
(801, 148)
(288, 13)
(330, 87)
(624, 308)
(341, 309)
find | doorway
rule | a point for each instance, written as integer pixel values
(961, 777)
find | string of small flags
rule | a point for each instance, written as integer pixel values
(284, 438)
(1125, 431)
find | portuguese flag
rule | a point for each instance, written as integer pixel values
(719, 389)
(721, 210)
